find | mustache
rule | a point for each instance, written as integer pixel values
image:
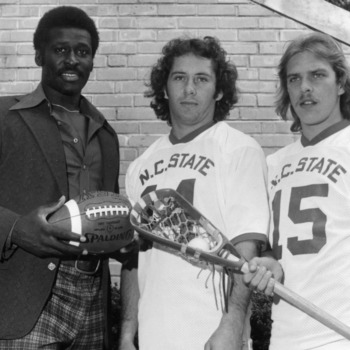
(307, 97)
(68, 71)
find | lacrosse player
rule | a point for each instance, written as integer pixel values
(309, 191)
(222, 172)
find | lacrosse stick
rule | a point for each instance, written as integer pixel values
(165, 217)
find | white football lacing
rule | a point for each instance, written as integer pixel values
(107, 211)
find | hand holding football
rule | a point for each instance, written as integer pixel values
(101, 217)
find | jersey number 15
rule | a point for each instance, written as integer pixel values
(300, 216)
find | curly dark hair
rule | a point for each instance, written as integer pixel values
(208, 47)
(326, 48)
(64, 17)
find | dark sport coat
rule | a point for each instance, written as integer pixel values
(33, 173)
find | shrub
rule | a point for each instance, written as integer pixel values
(261, 321)
(115, 316)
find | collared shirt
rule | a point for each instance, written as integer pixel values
(79, 137)
(82, 150)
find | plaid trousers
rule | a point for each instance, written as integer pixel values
(72, 318)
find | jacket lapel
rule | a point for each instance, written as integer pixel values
(110, 158)
(45, 131)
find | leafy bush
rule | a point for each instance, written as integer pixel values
(115, 316)
(261, 321)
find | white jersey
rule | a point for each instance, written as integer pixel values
(223, 173)
(309, 189)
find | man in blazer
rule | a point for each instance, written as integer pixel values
(54, 145)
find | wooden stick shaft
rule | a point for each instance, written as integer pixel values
(309, 308)
(312, 310)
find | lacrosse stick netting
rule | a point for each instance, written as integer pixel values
(165, 217)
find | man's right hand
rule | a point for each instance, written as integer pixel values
(263, 272)
(34, 234)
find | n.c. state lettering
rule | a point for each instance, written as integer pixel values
(323, 166)
(178, 160)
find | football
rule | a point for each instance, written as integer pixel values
(102, 217)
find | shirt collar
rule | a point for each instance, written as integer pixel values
(325, 133)
(31, 100)
(38, 96)
(189, 137)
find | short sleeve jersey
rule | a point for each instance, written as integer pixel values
(309, 191)
(223, 173)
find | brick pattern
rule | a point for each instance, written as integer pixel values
(132, 34)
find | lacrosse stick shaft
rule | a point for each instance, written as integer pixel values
(312, 310)
(227, 257)
(307, 307)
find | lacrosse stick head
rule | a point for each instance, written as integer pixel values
(165, 217)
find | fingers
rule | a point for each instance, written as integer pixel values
(66, 235)
(253, 266)
(49, 209)
(67, 250)
(260, 276)
(56, 242)
(264, 281)
(61, 249)
(278, 273)
(270, 287)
